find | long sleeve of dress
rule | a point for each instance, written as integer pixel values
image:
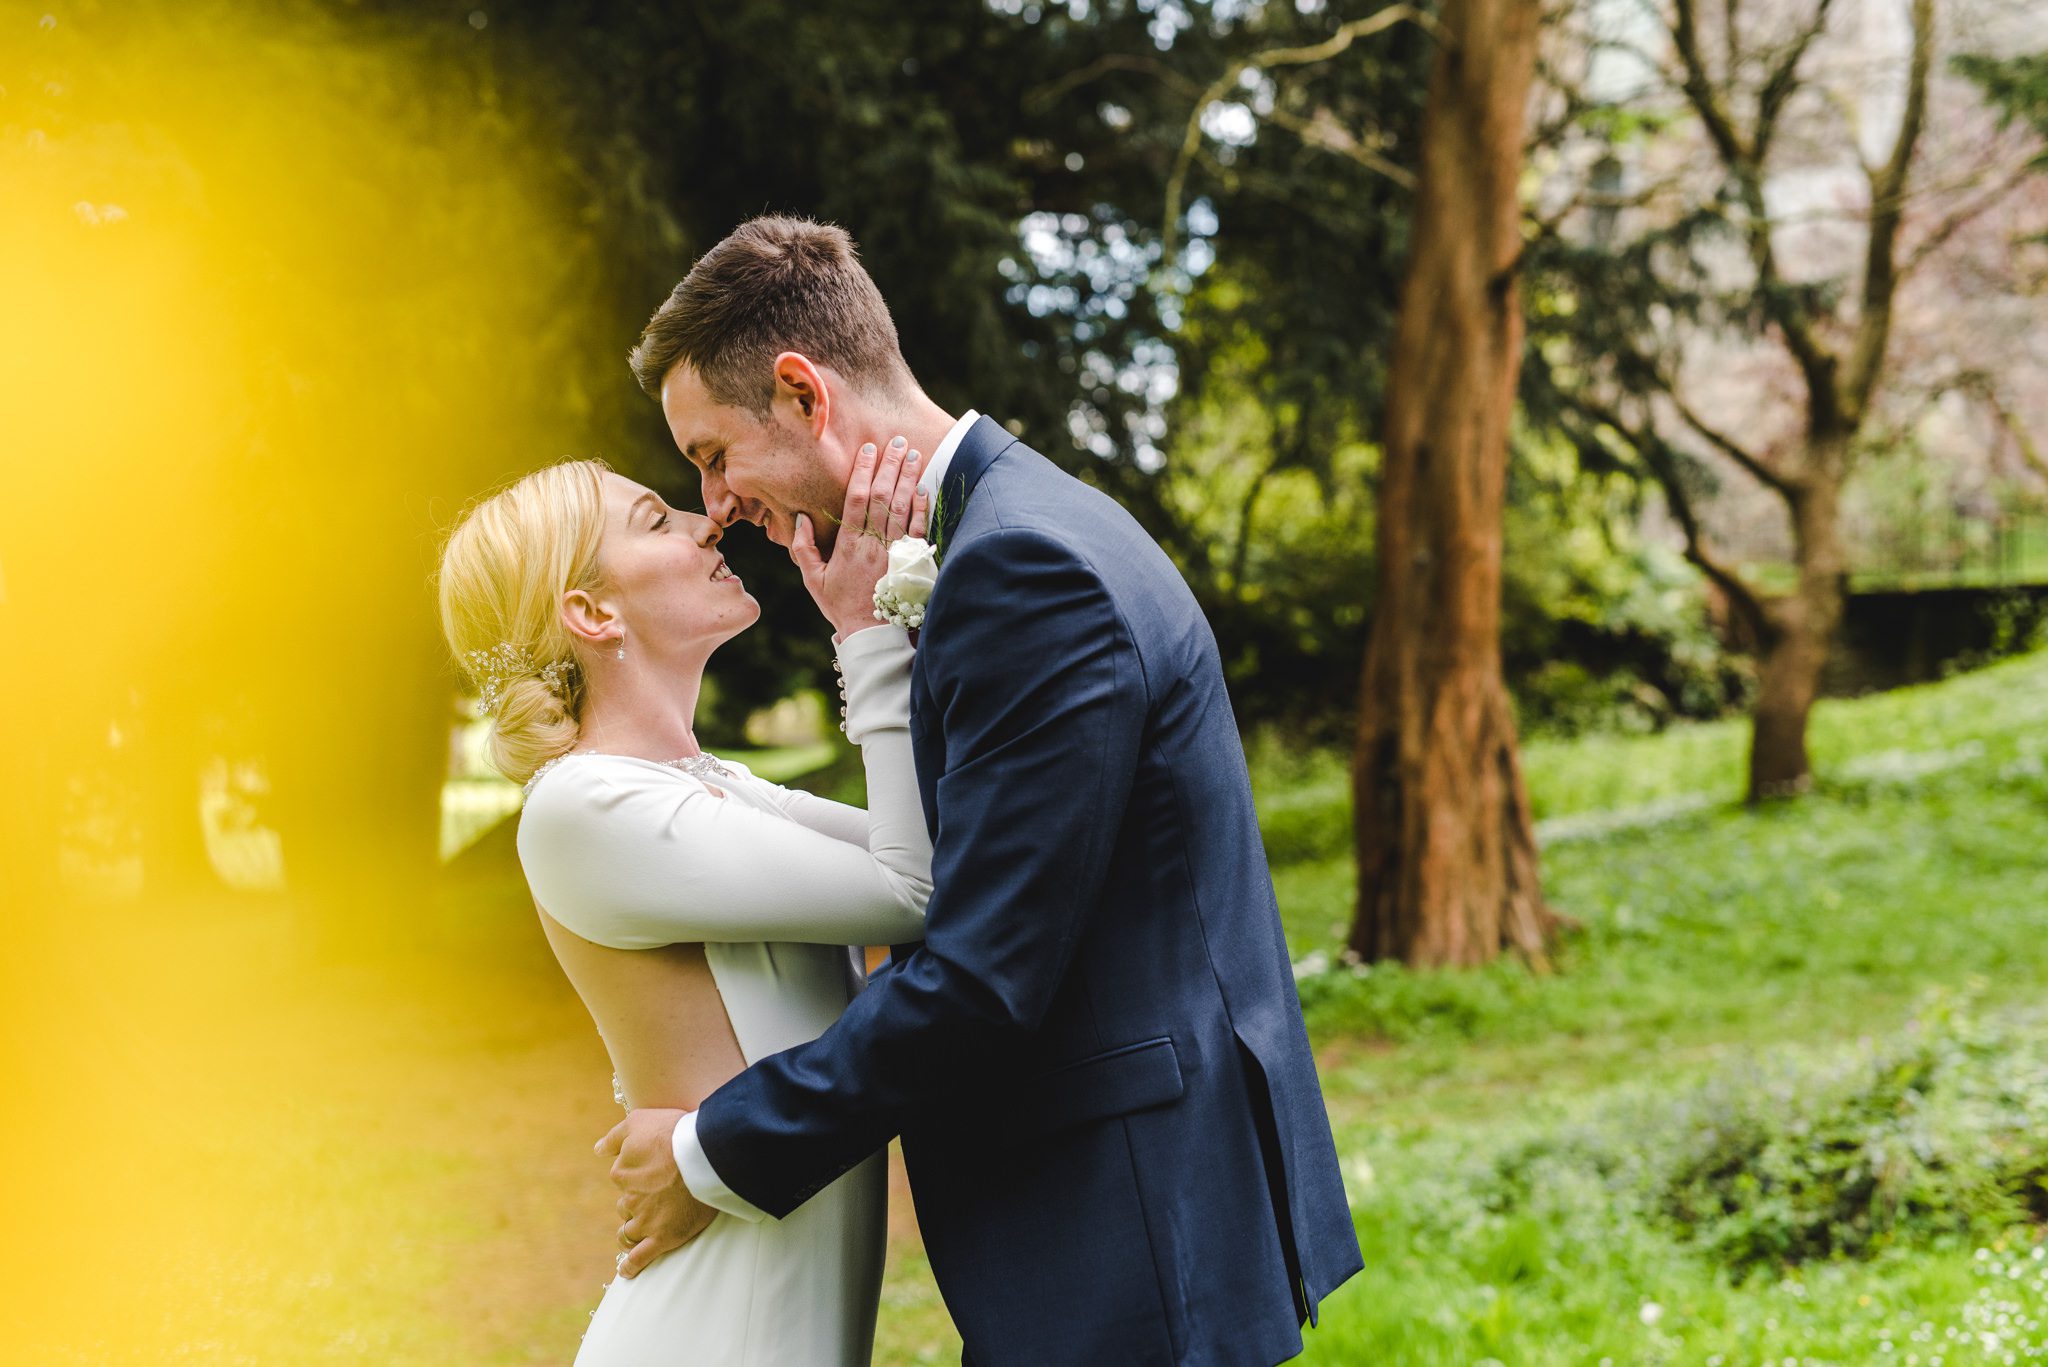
(875, 665)
(633, 854)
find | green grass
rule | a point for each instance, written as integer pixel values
(1714, 938)
(390, 1160)
(1718, 944)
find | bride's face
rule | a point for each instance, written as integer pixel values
(664, 579)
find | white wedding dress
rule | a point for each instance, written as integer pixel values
(776, 884)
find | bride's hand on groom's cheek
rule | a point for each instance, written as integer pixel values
(883, 503)
(657, 1212)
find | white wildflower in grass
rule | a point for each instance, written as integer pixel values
(1313, 964)
(2006, 1321)
(1651, 1313)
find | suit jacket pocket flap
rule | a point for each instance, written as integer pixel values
(1115, 1082)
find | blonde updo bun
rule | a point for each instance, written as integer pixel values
(503, 572)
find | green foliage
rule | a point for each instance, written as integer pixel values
(1939, 1136)
(2018, 86)
(1694, 906)
(1003, 167)
(1713, 1134)
(1286, 574)
(930, 129)
(2019, 624)
(1602, 631)
(1309, 243)
(1531, 1240)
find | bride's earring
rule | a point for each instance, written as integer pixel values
(622, 643)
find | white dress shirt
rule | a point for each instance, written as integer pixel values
(698, 1175)
(935, 468)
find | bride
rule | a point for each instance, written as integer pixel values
(705, 916)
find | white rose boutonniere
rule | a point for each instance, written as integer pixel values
(901, 594)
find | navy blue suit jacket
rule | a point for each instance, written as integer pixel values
(1110, 1115)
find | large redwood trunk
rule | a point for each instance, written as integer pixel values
(1447, 866)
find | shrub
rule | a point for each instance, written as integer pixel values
(1941, 1137)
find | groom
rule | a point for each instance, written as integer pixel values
(1096, 1060)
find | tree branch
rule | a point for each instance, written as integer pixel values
(1967, 214)
(1325, 132)
(1783, 81)
(1658, 458)
(1816, 364)
(1191, 137)
(1984, 388)
(1784, 482)
(1699, 87)
(1539, 229)
(1887, 209)
(1045, 96)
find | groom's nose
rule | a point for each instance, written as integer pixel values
(719, 504)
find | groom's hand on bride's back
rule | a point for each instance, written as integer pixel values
(657, 1212)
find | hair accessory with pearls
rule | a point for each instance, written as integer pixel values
(504, 663)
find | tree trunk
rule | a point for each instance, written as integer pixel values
(1802, 629)
(1447, 864)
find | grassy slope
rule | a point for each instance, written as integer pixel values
(1713, 935)
(1709, 932)
(391, 1163)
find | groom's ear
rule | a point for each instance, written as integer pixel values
(801, 383)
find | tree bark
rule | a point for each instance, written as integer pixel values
(1839, 383)
(1802, 627)
(1447, 864)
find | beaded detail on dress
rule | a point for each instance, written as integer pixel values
(698, 766)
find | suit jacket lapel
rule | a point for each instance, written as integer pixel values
(977, 450)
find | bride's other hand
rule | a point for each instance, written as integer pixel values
(882, 504)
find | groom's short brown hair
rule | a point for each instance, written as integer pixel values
(773, 285)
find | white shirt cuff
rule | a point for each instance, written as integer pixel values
(702, 1179)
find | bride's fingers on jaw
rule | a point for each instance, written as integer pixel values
(905, 495)
(855, 514)
(888, 473)
(803, 546)
(917, 515)
(886, 467)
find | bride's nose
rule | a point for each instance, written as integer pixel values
(708, 531)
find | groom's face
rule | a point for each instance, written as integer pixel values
(761, 468)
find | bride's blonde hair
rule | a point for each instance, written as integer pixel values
(503, 572)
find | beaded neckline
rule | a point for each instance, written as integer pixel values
(697, 766)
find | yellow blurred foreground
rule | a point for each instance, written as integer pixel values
(280, 297)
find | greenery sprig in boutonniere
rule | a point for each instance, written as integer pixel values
(902, 594)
